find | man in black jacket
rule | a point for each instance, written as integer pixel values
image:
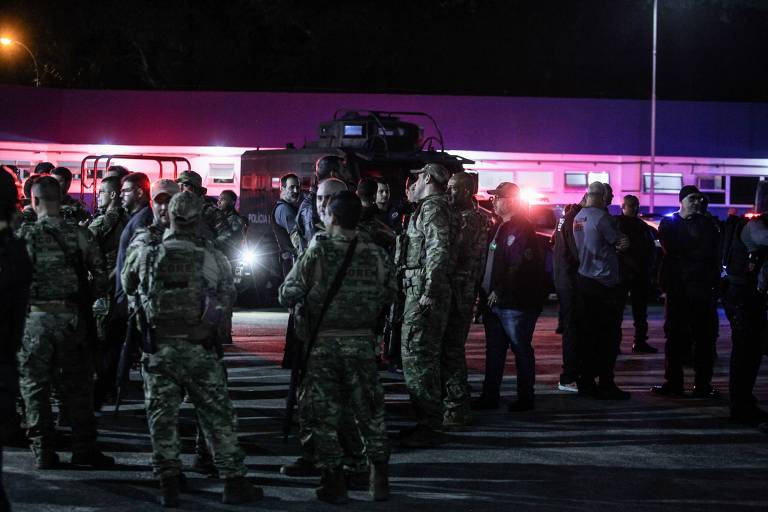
(513, 284)
(284, 220)
(15, 277)
(690, 273)
(635, 265)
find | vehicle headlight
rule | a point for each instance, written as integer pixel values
(249, 257)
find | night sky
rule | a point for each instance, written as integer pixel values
(708, 50)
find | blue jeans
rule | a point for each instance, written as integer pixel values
(510, 328)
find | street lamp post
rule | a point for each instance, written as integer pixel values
(6, 41)
(653, 109)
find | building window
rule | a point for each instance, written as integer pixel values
(663, 183)
(221, 173)
(576, 180)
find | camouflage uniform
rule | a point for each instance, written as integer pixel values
(428, 263)
(469, 251)
(230, 232)
(341, 370)
(107, 228)
(184, 358)
(28, 215)
(54, 349)
(73, 211)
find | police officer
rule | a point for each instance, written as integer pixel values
(635, 265)
(15, 277)
(55, 339)
(565, 263)
(184, 288)
(745, 247)
(308, 220)
(341, 366)
(284, 220)
(106, 229)
(370, 223)
(355, 466)
(72, 211)
(209, 220)
(231, 226)
(230, 237)
(690, 273)
(428, 264)
(470, 254)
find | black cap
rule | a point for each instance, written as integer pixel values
(688, 190)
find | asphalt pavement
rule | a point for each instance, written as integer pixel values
(571, 453)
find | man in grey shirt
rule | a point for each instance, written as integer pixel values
(597, 238)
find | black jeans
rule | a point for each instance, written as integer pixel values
(746, 312)
(601, 318)
(637, 288)
(568, 316)
(690, 318)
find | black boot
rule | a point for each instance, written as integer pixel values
(332, 488)
(300, 467)
(93, 458)
(379, 481)
(239, 490)
(169, 492)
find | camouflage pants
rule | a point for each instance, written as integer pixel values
(342, 380)
(422, 341)
(177, 366)
(54, 351)
(453, 363)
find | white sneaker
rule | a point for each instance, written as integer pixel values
(570, 387)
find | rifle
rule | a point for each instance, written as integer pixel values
(124, 363)
(129, 349)
(299, 366)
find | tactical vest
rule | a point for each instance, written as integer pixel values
(415, 247)
(54, 275)
(176, 288)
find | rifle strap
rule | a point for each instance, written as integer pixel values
(332, 291)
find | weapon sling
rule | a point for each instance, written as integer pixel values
(298, 374)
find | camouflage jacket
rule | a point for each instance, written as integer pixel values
(209, 222)
(470, 245)
(376, 230)
(107, 228)
(54, 277)
(368, 286)
(428, 243)
(73, 211)
(230, 232)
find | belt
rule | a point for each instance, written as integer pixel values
(53, 307)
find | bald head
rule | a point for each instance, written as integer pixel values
(325, 191)
(596, 194)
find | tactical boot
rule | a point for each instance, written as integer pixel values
(239, 490)
(332, 487)
(169, 492)
(379, 481)
(300, 467)
(203, 464)
(423, 437)
(93, 458)
(45, 459)
(356, 480)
